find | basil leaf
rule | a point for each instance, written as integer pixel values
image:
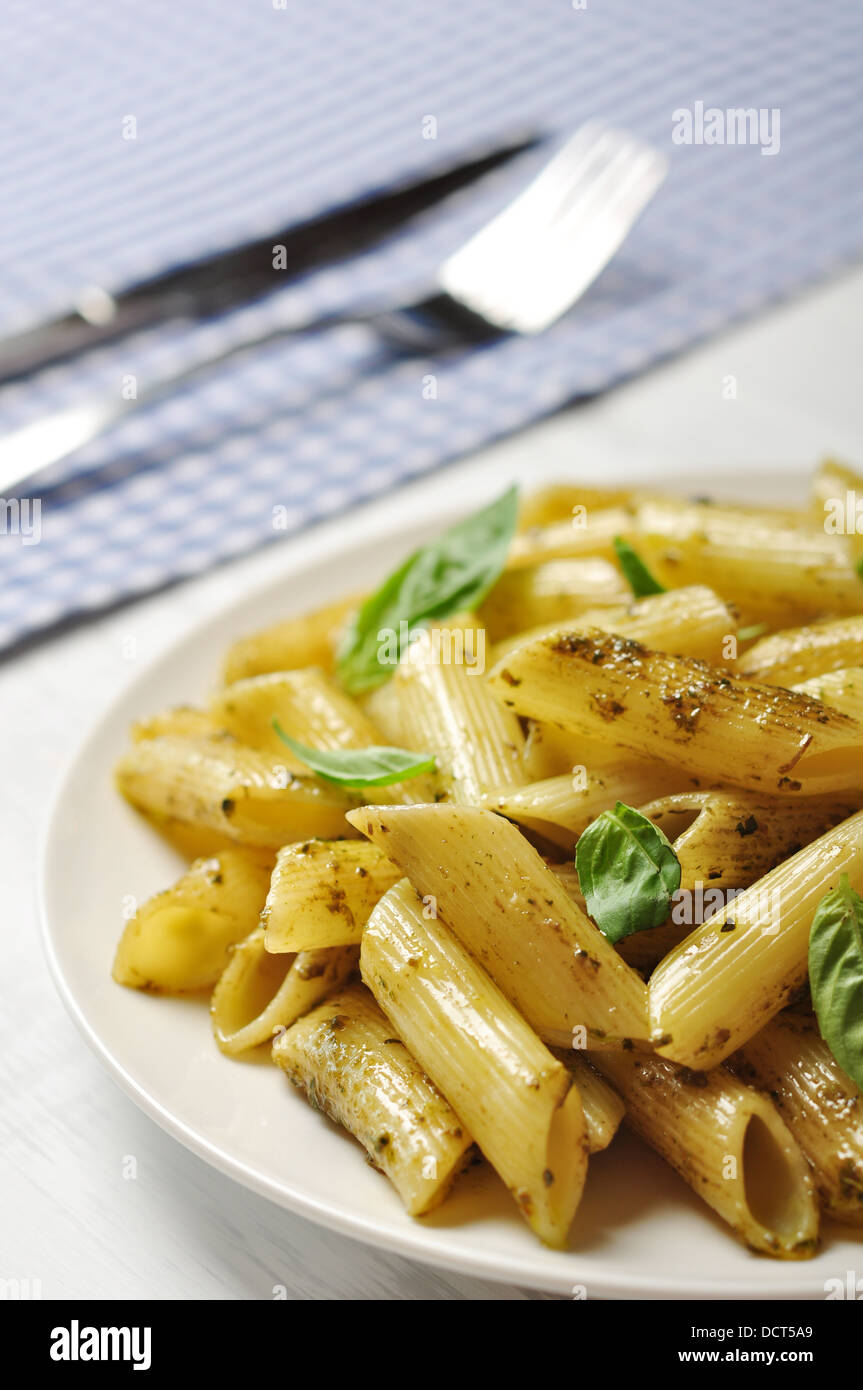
(836, 975)
(359, 767)
(450, 575)
(746, 634)
(627, 870)
(635, 571)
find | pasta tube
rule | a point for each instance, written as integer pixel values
(569, 804)
(313, 710)
(799, 654)
(689, 622)
(549, 751)
(310, 640)
(344, 1056)
(184, 720)
(436, 703)
(820, 1104)
(589, 533)
(644, 948)
(688, 714)
(729, 839)
(842, 690)
(237, 791)
(724, 842)
(258, 993)
(551, 592)
(190, 841)
(518, 1101)
(510, 911)
(836, 493)
(775, 567)
(731, 975)
(728, 1142)
(308, 705)
(602, 1106)
(562, 501)
(322, 892)
(180, 940)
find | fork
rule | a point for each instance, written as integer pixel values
(517, 274)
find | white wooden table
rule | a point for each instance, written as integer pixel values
(181, 1230)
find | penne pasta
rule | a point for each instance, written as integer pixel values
(602, 1106)
(727, 840)
(724, 842)
(180, 940)
(344, 1056)
(842, 690)
(190, 841)
(258, 994)
(237, 791)
(775, 567)
(183, 720)
(728, 1142)
(643, 949)
(729, 977)
(820, 1104)
(519, 1102)
(567, 875)
(837, 502)
(688, 622)
(310, 640)
(314, 711)
(307, 704)
(800, 654)
(561, 501)
(591, 532)
(552, 592)
(322, 892)
(549, 751)
(509, 910)
(562, 807)
(441, 706)
(508, 663)
(691, 715)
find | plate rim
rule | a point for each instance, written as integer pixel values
(457, 1255)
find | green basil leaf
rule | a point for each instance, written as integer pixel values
(450, 575)
(627, 870)
(635, 571)
(836, 975)
(359, 767)
(746, 634)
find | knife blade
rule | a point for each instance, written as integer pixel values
(241, 275)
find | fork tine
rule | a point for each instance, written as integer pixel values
(528, 265)
(543, 192)
(541, 198)
(595, 234)
(573, 252)
(619, 161)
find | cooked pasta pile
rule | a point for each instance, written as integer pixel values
(559, 828)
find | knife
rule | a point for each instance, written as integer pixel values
(240, 276)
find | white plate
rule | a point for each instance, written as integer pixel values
(639, 1233)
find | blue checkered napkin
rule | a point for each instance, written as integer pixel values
(250, 117)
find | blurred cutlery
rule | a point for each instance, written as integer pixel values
(518, 274)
